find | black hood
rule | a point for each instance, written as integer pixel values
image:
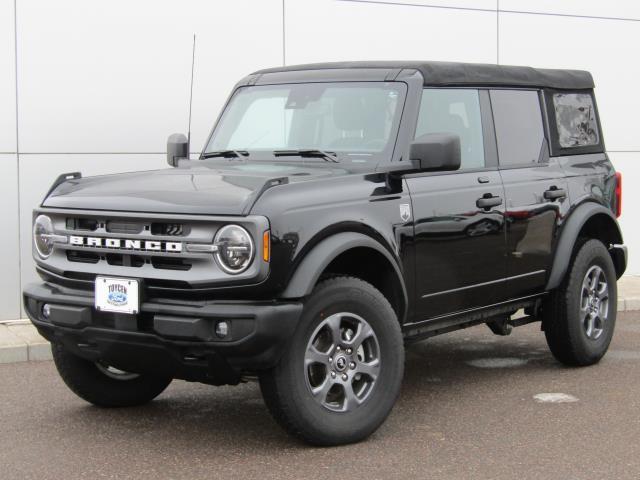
(200, 187)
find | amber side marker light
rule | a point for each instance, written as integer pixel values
(618, 194)
(266, 246)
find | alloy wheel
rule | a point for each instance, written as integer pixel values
(342, 362)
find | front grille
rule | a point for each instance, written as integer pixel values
(82, 224)
(124, 260)
(170, 264)
(170, 229)
(82, 257)
(149, 247)
(124, 227)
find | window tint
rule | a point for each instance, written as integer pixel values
(576, 120)
(518, 122)
(454, 111)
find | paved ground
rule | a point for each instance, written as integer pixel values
(467, 410)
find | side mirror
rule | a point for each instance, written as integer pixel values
(436, 152)
(177, 148)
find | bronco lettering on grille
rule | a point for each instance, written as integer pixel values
(125, 244)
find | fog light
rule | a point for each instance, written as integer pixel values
(46, 311)
(222, 329)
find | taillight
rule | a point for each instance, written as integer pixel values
(618, 194)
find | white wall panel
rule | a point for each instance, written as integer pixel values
(37, 172)
(7, 78)
(604, 47)
(328, 30)
(9, 243)
(113, 75)
(629, 165)
(471, 4)
(617, 8)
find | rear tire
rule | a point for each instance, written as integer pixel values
(104, 386)
(580, 316)
(341, 373)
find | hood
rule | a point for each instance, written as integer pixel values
(198, 188)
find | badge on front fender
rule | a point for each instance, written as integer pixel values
(405, 211)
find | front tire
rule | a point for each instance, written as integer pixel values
(580, 316)
(341, 373)
(105, 386)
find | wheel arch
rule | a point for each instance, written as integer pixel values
(343, 253)
(589, 220)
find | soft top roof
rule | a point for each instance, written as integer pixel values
(453, 73)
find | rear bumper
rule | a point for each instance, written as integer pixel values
(170, 338)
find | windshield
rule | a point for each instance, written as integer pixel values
(355, 121)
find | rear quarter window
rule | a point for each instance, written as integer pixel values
(576, 120)
(574, 126)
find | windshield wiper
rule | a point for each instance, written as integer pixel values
(226, 154)
(326, 156)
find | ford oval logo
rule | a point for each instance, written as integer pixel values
(117, 298)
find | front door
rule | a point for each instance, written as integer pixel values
(459, 234)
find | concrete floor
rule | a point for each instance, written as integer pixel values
(468, 409)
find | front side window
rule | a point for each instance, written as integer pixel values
(353, 119)
(575, 120)
(518, 121)
(455, 111)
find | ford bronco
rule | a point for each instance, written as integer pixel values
(337, 213)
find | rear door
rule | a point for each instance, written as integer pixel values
(535, 188)
(458, 216)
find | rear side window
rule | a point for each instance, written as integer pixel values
(519, 131)
(575, 120)
(455, 111)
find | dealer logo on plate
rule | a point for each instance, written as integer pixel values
(117, 295)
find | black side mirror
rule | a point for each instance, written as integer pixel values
(436, 152)
(177, 148)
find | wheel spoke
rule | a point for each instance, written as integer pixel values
(364, 332)
(315, 356)
(351, 400)
(590, 324)
(322, 389)
(584, 304)
(371, 369)
(333, 323)
(603, 291)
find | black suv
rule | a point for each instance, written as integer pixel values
(337, 212)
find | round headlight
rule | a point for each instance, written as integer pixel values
(43, 236)
(235, 248)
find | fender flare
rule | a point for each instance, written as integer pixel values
(569, 236)
(314, 263)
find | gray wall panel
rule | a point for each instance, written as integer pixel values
(7, 78)
(9, 260)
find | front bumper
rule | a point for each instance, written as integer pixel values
(175, 338)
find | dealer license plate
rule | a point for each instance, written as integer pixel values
(117, 295)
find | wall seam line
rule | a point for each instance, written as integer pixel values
(15, 66)
(284, 37)
(472, 9)
(498, 32)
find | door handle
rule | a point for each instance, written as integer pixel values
(487, 201)
(555, 193)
